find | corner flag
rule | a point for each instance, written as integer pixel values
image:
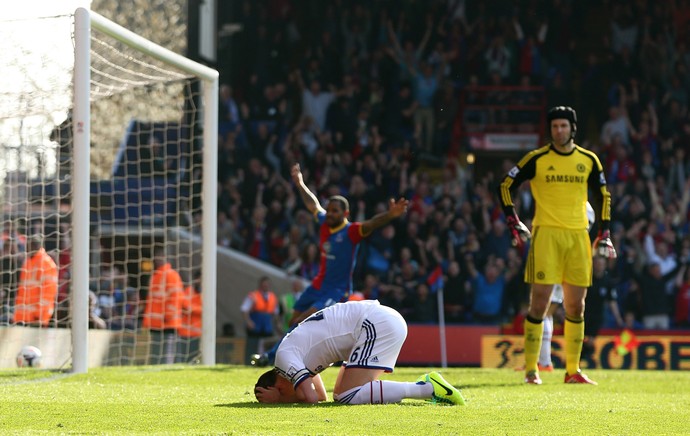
(435, 279)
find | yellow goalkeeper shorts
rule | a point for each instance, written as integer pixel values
(559, 256)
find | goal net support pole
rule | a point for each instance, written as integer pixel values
(84, 21)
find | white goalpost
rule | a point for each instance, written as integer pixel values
(109, 164)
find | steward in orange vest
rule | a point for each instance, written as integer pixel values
(164, 301)
(261, 309)
(189, 343)
(191, 313)
(37, 289)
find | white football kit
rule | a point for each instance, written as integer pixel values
(364, 334)
(557, 294)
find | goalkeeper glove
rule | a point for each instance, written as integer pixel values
(518, 231)
(603, 247)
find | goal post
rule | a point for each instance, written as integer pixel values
(81, 175)
(85, 22)
(108, 173)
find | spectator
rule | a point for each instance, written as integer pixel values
(409, 55)
(310, 261)
(293, 261)
(288, 300)
(257, 243)
(229, 111)
(11, 235)
(426, 84)
(379, 250)
(406, 283)
(654, 300)
(399, 118)
(602, 299)
(125, 303)
(371, 287)
(497, 241)
(498, 58)
(424, 305)
(488, 288)
(315, 101)
(618, 125)
(95, 320)
(658, 252)
(105, 294)
(456, 299)
(530, 57)
(681, 314)
(446, 110)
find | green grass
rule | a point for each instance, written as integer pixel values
(193, 400)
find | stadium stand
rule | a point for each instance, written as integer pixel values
(632, 58)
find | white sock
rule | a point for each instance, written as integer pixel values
(545, 352)
(385, 391)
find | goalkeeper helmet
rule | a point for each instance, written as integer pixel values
(563, 112)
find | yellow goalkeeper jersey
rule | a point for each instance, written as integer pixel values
(560, 184)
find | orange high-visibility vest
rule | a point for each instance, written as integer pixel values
(264, 305)
(37, 289)
(191, 314)
(263, 312)
(164, 301)
(356, 296)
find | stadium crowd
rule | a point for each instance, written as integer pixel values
(367, 99)
(366, 96)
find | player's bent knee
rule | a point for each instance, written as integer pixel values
(356, 377)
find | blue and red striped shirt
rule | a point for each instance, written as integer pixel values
(338, 249)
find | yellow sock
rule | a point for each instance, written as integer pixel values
(573, 334)
(533, 334)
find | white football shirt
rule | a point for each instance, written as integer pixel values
(365, 334)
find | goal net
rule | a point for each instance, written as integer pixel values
(108, 174)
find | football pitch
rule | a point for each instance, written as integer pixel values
(219, 400)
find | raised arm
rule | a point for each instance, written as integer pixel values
(393, 37)
(471, 267)
(395, 209)
(310, 201)
(426, 37)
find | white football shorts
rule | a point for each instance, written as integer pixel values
(557, 294)
(380, 340)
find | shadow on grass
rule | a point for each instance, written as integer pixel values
(257, 405)
(32, 375)
(16, 373)
(517, 383)
(174, 367)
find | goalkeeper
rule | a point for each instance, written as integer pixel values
(560, 174)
